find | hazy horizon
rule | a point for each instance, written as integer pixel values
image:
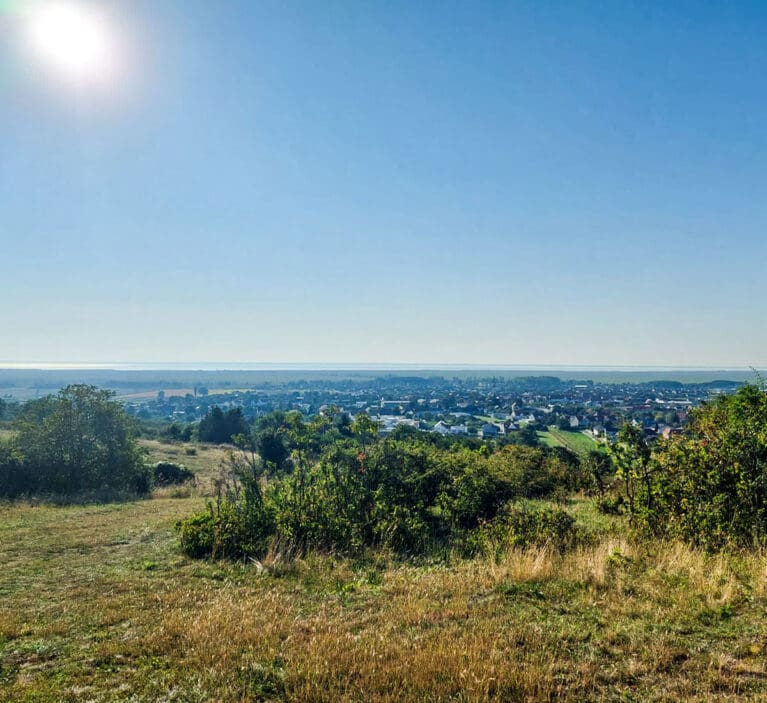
(343, 366)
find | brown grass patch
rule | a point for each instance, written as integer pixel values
(97, 603)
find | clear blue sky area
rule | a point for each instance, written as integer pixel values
(510, 182)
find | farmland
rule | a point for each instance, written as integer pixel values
(577, 442)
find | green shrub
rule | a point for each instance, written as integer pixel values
(166, 473)
(610, 505)
(142, 480)
(708, 487)
(407, 495)
(196, 534)
(540, 526)
(524, 526)
(227, 530)
(240, 523)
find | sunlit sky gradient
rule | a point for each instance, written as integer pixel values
(515, 183)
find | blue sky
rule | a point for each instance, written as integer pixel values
(511, 183)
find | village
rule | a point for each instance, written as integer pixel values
(471, 407)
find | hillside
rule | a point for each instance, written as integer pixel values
(97, 603)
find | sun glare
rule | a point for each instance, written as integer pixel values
(72, 40)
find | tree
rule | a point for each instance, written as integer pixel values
(599, 466)
(631, 455)
(300, 437)
(272, 450)
(219, 427)
(528, 436)
(13, 480)
(79, 439)
(365, 429)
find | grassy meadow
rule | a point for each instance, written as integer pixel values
(97, 603)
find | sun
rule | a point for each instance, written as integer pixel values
(72, 40)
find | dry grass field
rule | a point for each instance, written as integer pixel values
(97, 603)
(203, 459)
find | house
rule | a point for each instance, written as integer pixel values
(441, 428)
(667, 431)
(651, 433)
(388, 424)
(391, 407)
(489, 430)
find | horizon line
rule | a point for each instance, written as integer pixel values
(343, 366)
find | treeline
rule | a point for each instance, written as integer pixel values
(78, 440)
(217, 427)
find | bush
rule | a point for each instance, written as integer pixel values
(239, 524)
(610, 505)
(166, 473)
(708, 487)
(524, 526)
(407, 495)
(540, 526)
(228, 530)
(142, 480)
(196, 534)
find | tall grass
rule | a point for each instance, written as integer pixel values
(535, 625)
(97, 603)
